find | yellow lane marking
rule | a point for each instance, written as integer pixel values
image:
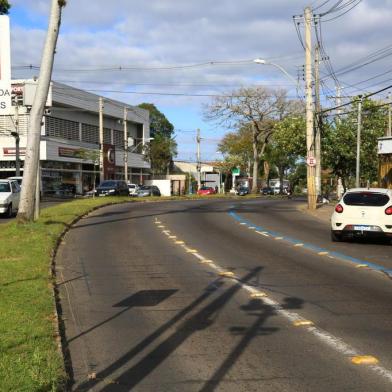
(226, 274)
(279, 238)
(179, 242)
(158, 222)
(364, 360)
(161, 226)
(302, 323)
(172, 237)
(331, 257)
(258, 295)
(206, 261)
(322, 253)
(361, 266)
(191, 250)
(299, 245)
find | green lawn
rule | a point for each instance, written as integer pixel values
(30, 357)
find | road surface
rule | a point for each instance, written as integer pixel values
(215, 295)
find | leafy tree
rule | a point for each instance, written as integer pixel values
(158, 121)
(288, 145)
(160, 153)
(340, 141)
(4, 7)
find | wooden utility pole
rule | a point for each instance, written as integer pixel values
(310, 145)
(359, 128)
(318, 119)
(125, 122)
(101, 173)
(198, 160)
(31, 166)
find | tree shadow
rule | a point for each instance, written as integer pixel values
(202, 319)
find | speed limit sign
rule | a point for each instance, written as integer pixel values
(311, 161)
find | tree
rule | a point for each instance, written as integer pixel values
(4, 7)
(255, 107)
(340, 141)
(158, 121)
(160, 153)
(288, 145)
(27, 209)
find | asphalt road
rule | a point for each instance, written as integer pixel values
(223, 296)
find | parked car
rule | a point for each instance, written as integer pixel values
(148, 190)
(133, 188)
(267, 191)
(242, 191)
(18, 179)
(363, 212)
(112, 188)
(206, 190)
(9, 197)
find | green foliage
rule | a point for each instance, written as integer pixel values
(4, 7)
(158, 121)
(340, 140)
(160, 153)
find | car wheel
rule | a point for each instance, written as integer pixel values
(8, 214)
(335, 237)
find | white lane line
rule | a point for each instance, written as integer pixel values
(262, 233)
(328, 339)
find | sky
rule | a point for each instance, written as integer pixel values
(179, 54)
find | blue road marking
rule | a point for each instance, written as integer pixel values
(312, 247)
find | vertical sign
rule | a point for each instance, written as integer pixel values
(5, 66)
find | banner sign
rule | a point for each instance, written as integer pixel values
(5, 66)
(70, 152)
(11, 151)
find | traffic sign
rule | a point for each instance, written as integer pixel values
(235, 171)
(311, 161)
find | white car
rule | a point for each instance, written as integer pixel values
(363, 212)
(9, 197)
(133, 189)
(18, 179)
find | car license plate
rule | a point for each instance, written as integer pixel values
(362, 228)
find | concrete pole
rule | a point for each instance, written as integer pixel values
(389, 131)
(101, 173)
(358, 163)
(17, 142)
(311, 170)
(198, 160)
(32, 155)
(125, 122)
(318, 119)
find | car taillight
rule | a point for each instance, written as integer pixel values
(388, 211)
(339, 208)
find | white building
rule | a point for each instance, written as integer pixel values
(70, 138)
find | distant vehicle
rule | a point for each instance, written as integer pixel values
(242, 191)
(363, 212)
(18, 179)
(148, 190)
(267, 191)
(9, 197)
(112, 188)
(132, 188)
(206, 190)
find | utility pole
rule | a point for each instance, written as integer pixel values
(125, 123)
(358, 165)
(101, 173)
(17, 141)
(389, 131)
(198, 160)
(318, 119)
(32, 157)
(311, 170)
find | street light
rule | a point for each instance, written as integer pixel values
(265, 62)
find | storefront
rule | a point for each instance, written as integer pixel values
(385, 162)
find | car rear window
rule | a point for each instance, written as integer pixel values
(370, 199)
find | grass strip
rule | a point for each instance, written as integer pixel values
(30, 355)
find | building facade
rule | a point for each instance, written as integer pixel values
(70, 138)
(385, 161)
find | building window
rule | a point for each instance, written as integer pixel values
(60, 128)
(107, 136)
(90, 134)
(118, 139)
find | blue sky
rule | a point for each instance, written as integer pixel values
(167, 33)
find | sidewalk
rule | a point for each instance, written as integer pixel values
(323, 212)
